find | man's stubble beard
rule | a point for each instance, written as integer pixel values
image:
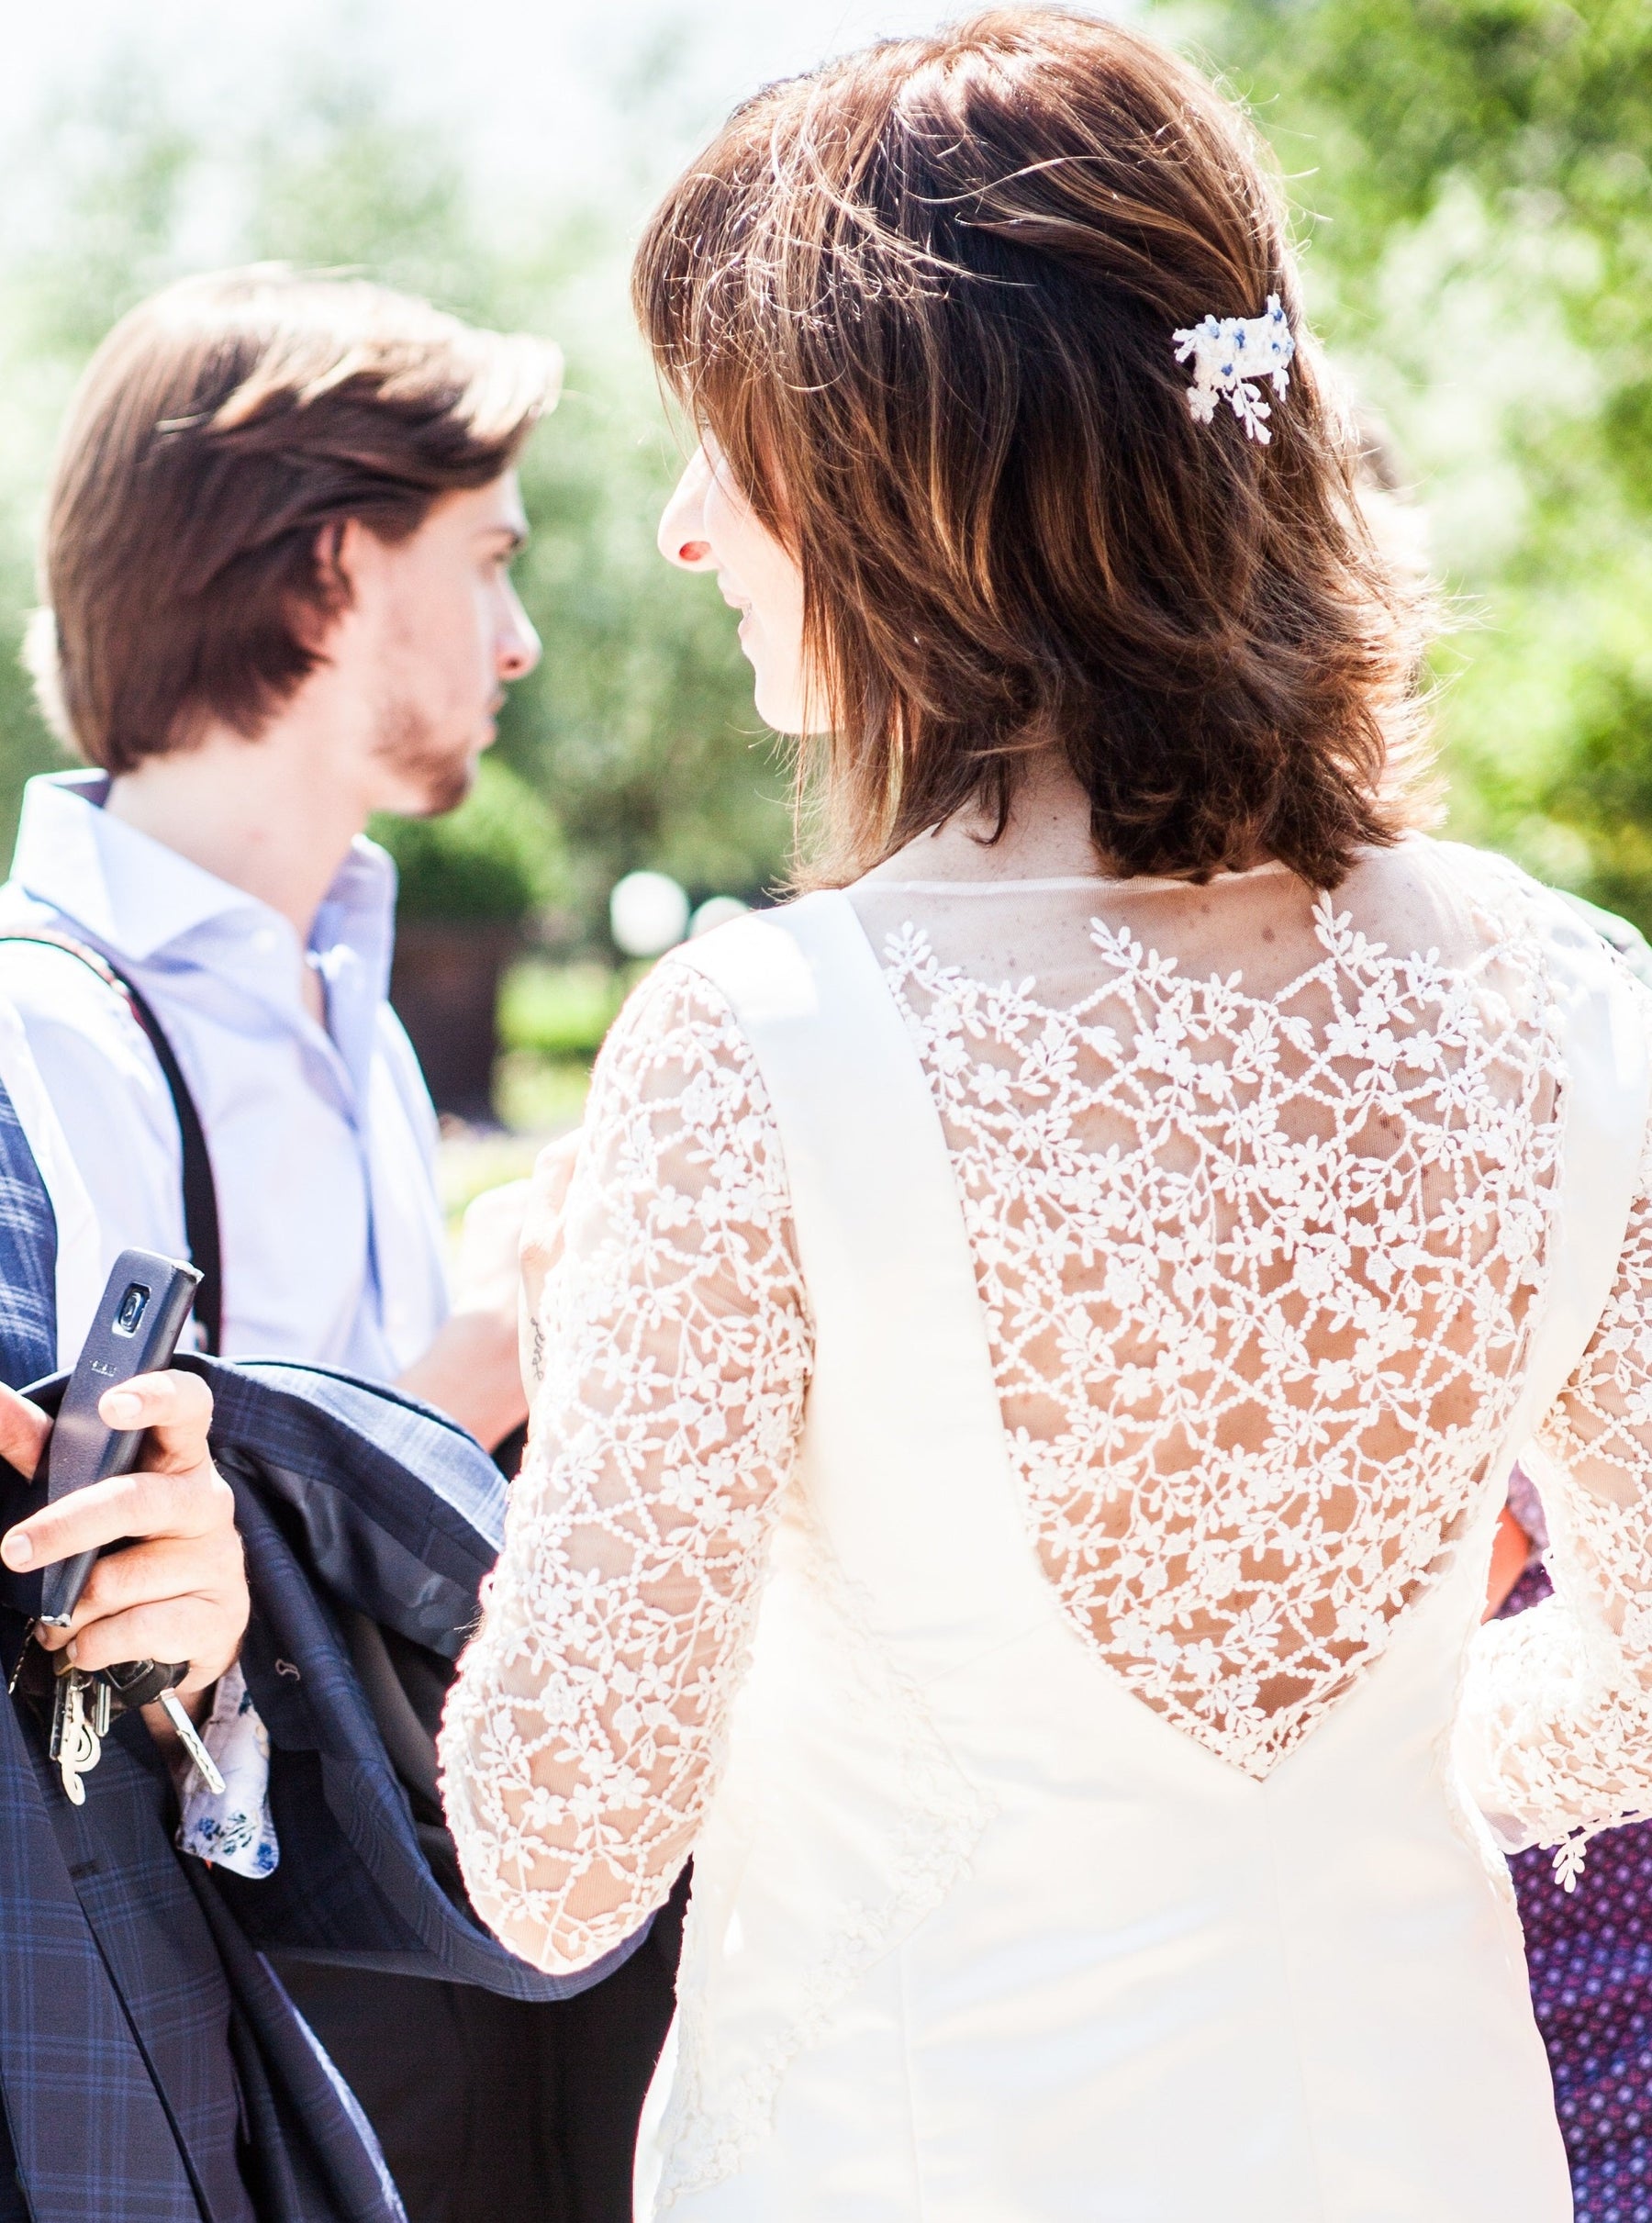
(426, 767)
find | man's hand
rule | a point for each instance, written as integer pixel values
(541, 1246)
(178, 1590)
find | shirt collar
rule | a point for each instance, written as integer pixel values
(135, 897)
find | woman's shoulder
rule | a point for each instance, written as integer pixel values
(692, 1019)
(1500, 902)
(1485, 875)
(679, 1099)
(785, 962)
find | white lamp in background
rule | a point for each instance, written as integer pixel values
(716, 911)
(648, 914)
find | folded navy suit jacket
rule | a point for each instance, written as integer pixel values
(151, 2067)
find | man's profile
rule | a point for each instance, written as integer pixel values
(276, 598)
(275, 578)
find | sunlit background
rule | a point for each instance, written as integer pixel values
(1473, 189)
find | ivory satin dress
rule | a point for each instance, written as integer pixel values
(1031, 1380)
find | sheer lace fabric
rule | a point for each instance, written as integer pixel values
(1557, 1723)
(581, 1742)
(1259, 1194)
(1256, 1271)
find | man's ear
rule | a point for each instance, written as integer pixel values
(335, 555)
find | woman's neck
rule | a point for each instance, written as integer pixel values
(1047, 838)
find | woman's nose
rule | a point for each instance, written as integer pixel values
(682, 535)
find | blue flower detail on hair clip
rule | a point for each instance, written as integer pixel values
(1228, 354)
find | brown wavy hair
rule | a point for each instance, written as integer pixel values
(221, 430)
(923, 300)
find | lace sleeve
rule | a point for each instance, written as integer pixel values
(1556, 1733)
(581, 1740)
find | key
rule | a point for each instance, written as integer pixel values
(95, 1705)
(22, 1658)
(76, 1745)
(189, 1737)
(147, 1683)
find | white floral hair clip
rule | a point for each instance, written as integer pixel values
(1228, 354)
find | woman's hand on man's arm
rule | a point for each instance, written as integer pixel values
(541, 1246)
(486, 1364)
(470, 1371)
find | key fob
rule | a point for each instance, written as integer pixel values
(141, 1683)
(138, 1683)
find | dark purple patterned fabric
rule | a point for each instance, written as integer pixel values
(1589, 1953)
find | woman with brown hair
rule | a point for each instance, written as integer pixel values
(1044, 1320)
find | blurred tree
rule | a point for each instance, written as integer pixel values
(1476, 178)
(94, 204)
(637, 732)
(1475, 185)
(497, 859)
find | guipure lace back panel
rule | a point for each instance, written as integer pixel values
(1257, 1268)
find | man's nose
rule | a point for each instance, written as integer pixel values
(682, 536)
(519, 642)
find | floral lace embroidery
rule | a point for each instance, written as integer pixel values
(1258, 1276)
(581, 1741)
(1556, 1728)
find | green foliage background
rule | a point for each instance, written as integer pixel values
(636, 736)
(1473, 181)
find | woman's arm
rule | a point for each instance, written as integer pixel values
(580, 1744)
(1556, 1733)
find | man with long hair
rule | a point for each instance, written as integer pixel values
(276, 598)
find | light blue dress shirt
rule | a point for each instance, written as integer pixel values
(322, 1139)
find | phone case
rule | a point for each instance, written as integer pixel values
(134, 1330)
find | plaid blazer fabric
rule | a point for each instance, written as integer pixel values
(353, 1499)
(154, 2068)
(106, 1970)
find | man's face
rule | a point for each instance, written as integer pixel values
(433, 635)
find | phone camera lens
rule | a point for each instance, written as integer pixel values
(131, 1308)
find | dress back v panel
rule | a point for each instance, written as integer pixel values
(978, 1934)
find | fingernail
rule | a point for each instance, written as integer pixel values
(72, 1651)
(121, 1409)
(18, 1550)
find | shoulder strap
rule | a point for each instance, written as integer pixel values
(200, 1190)
(906, 1460)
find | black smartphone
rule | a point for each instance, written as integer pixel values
(134, 1330)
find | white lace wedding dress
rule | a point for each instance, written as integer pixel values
(1031, 1376)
